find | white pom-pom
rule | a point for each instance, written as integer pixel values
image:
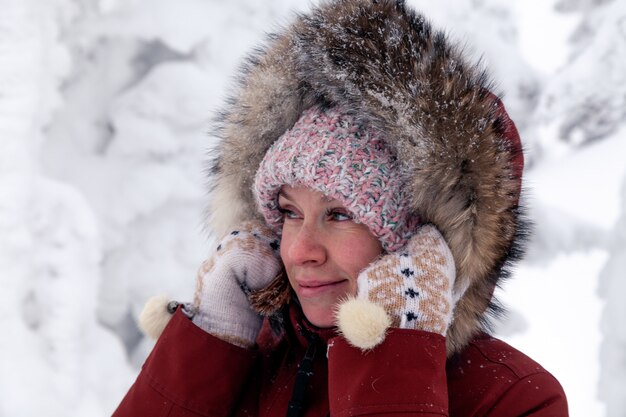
(154, 316)
(363, 323)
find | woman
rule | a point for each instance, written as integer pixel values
(368, 184)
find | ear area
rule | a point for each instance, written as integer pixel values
(362, 323)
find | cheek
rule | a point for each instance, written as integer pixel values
(284, 250)
(285, 245)
(357, 251)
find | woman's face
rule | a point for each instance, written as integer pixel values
(323, 251)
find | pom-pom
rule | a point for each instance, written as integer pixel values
(154, 316)
(363, 323)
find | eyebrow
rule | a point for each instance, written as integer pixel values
(284, 194)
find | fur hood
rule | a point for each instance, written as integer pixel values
(449, 132)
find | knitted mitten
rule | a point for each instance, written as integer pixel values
(246, 259)
(410, 289)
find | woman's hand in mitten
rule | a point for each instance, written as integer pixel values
(409, 289)
(245, 260)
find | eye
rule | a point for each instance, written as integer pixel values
(338, 214)
(287, 213)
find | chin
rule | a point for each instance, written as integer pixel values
(322, 318)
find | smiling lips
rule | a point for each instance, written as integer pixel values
(315, 288)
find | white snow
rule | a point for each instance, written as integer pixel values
(611, 289)
(104, 108)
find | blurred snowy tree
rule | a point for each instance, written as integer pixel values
(587, 97)
(50, 248)
(613, 349)
(579, 5)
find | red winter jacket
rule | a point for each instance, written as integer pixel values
(192, 373)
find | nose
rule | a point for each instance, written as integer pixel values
(307, 246)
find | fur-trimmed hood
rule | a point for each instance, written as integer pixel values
(447, 129)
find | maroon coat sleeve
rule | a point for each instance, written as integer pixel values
(537, 395)
(189, 373)
(403, 376)
(492, 379)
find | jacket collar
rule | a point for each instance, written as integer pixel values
(303, 330)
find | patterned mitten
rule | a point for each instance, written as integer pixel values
(409, 289)
(246, 259)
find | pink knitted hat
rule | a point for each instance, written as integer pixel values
(329, 151)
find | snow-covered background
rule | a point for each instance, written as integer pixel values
(104, 109)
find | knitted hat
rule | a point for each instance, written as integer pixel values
(330, 151)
